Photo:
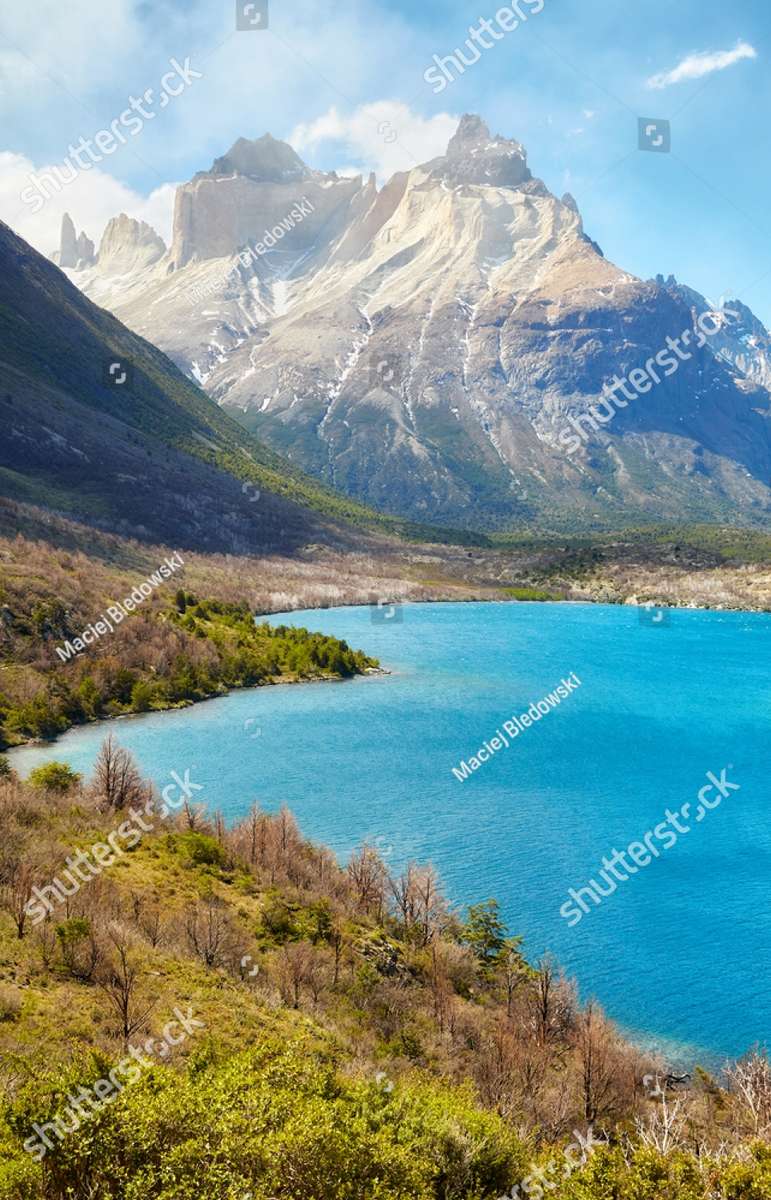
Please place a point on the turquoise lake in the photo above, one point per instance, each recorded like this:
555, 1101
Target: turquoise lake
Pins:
679, 954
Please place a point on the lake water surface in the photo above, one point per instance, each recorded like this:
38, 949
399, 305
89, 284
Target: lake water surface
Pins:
680, 952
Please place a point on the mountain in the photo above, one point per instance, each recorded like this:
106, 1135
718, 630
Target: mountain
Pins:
99, 425
439, 347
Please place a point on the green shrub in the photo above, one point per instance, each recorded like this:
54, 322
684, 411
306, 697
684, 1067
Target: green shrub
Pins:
202, 850
276, 1121
54, 777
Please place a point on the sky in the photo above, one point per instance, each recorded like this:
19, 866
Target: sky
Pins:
345, 83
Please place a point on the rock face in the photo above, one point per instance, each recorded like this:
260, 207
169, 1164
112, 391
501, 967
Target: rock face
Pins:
129, 246
76, 252
250, 191
440, 348
474, 157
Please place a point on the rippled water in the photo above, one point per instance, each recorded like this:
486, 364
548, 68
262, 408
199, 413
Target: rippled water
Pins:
680, 952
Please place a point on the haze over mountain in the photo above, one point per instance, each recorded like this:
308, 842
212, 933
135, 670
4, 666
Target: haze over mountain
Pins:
432, 347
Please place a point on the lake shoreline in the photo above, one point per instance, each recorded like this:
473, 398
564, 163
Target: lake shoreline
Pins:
279, 681
373, 763
370, 671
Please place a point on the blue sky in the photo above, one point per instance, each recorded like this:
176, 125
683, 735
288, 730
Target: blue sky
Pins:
345, 82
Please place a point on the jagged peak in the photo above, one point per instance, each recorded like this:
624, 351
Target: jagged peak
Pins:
265, 159
76, 251
131, 228
476, 156
129, 243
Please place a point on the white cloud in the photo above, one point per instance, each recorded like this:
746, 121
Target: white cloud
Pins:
384, 137
91, 200
694, 66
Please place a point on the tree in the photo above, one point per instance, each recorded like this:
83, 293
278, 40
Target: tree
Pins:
513, 968
485, 933
300, 965
142, 696
16, 882
551, 1004
367, 873
599, 1063
209, 932
420, 905
54, 777
116, 777
79, 947
120, 981
750, 1080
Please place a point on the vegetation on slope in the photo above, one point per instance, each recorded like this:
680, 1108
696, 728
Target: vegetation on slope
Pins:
55, 346
341, 1032
164, 655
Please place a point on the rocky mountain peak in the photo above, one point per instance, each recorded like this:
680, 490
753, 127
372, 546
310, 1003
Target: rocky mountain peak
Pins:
471, 132
129, 245
265, 160
76, 251
475, 156
289, 284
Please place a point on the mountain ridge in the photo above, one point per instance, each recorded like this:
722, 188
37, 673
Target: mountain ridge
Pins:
99, 425
423, 347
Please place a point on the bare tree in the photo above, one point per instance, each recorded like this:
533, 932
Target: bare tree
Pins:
300, 965
750, 1080
117, 781
420, 905
599, 1063
367, 873
551, 1004
15, 892
664, 1125
120, 980
209, 931
148, 918
45, 939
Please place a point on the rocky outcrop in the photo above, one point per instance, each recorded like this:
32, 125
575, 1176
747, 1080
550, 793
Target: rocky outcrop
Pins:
475, 157
253, 190
75, 251
129, 246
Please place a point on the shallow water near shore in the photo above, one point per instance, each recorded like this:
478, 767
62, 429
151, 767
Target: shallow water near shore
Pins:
680, 952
